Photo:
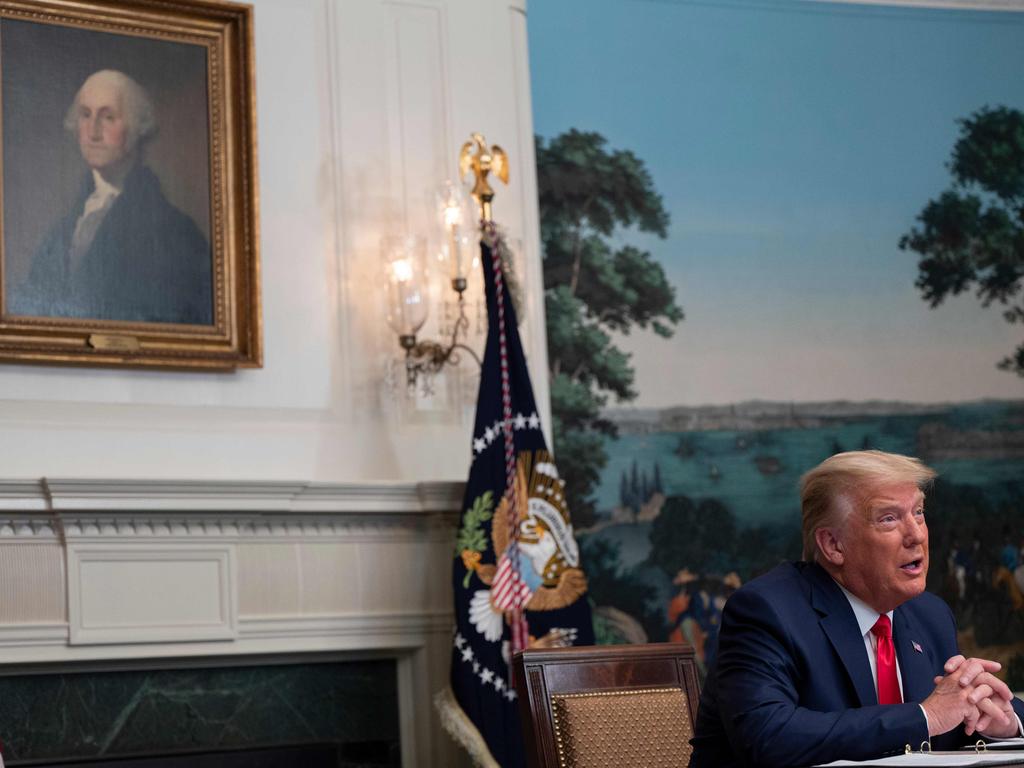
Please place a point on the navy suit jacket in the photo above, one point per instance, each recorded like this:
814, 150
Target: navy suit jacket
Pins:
792, 686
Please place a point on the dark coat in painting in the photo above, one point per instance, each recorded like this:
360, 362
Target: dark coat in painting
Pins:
147, 263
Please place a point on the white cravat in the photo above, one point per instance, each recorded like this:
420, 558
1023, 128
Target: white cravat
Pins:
96, 208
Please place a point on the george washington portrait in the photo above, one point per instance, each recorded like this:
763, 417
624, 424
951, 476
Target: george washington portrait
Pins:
96, 234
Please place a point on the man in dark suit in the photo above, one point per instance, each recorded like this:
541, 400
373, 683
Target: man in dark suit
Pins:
123, 252
846, 656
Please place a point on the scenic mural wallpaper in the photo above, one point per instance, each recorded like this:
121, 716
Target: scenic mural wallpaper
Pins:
775, 230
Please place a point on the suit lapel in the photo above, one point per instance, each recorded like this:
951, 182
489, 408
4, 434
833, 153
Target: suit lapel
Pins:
916, 666
840, 626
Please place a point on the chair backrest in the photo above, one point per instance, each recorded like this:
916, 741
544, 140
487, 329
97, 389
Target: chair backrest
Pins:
614, 705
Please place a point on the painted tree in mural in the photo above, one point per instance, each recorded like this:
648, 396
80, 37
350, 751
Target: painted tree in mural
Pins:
973, 234
588, 195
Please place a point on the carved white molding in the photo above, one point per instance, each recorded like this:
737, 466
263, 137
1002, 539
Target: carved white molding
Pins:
398, 625
32, 635
48, 644
237, 528
60, 494
117, 510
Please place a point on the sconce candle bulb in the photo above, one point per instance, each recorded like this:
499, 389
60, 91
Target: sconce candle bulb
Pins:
407, 294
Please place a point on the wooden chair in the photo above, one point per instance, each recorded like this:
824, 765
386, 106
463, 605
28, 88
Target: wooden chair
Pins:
614, 706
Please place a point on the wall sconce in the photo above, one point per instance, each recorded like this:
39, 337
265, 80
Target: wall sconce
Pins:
408, 286
459, 220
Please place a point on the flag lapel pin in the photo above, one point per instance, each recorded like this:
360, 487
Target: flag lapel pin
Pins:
917, 646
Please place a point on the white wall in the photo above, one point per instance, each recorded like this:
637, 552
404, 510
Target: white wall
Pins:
362, 106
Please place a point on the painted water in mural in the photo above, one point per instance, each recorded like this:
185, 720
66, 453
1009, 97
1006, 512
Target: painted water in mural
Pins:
771, 234
696, 501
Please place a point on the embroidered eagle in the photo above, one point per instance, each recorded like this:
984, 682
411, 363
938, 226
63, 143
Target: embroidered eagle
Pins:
549, 575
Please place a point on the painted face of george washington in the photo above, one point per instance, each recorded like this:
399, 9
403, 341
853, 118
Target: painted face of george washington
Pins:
103, 134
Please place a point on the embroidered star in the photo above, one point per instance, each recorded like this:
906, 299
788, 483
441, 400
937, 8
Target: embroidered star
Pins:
486, 675
499, 684
488, 434
479, 445
467, 654
476, 667
534, 421
460, 641
499, 427
510, 694
520, 421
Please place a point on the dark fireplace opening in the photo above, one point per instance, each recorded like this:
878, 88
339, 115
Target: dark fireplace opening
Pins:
326, 714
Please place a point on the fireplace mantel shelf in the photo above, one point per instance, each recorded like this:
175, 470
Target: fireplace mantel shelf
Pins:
113, 495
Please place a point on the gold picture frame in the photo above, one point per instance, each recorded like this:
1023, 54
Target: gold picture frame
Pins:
128, 184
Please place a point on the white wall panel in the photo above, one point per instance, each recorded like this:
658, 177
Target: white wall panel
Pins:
151, 593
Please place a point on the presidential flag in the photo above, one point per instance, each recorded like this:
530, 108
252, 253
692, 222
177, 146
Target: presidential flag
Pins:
517, 575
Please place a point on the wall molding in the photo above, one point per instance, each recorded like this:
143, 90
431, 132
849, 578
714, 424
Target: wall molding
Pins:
118, 510
60, 494
372, 633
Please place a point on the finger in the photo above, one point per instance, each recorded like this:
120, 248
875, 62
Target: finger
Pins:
971, 667
969, 671
979, 693
986, 664
971, 719
983, 723
974, 667
993, 710
937, 679
953, 663
999, 688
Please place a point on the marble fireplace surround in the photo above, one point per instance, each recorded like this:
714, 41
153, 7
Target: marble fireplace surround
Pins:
118, 574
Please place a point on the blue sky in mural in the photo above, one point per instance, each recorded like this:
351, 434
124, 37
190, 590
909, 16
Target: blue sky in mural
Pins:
794, 142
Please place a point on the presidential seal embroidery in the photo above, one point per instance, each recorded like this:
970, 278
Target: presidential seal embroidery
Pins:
549, 575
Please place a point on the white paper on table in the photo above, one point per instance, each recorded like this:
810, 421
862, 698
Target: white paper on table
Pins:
938, 759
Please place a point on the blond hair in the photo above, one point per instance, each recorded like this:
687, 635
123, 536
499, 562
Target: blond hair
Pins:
828, 491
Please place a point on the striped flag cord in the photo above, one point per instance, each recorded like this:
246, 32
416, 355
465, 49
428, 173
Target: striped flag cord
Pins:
520, 631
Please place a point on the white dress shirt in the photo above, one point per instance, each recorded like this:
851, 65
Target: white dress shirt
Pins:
866, 617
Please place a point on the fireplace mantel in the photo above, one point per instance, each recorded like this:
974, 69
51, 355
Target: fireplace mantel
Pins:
110, 571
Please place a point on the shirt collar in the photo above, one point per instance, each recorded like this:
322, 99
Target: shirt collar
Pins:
866, 615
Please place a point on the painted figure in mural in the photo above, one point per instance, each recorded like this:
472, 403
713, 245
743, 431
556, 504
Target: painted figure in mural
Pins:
123, 252
681, 615
695, 612
845, 656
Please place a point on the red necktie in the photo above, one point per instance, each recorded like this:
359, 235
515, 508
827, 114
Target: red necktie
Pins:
885, 663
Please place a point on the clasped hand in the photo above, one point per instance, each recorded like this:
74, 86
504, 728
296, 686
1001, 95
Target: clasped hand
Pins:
971, 694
